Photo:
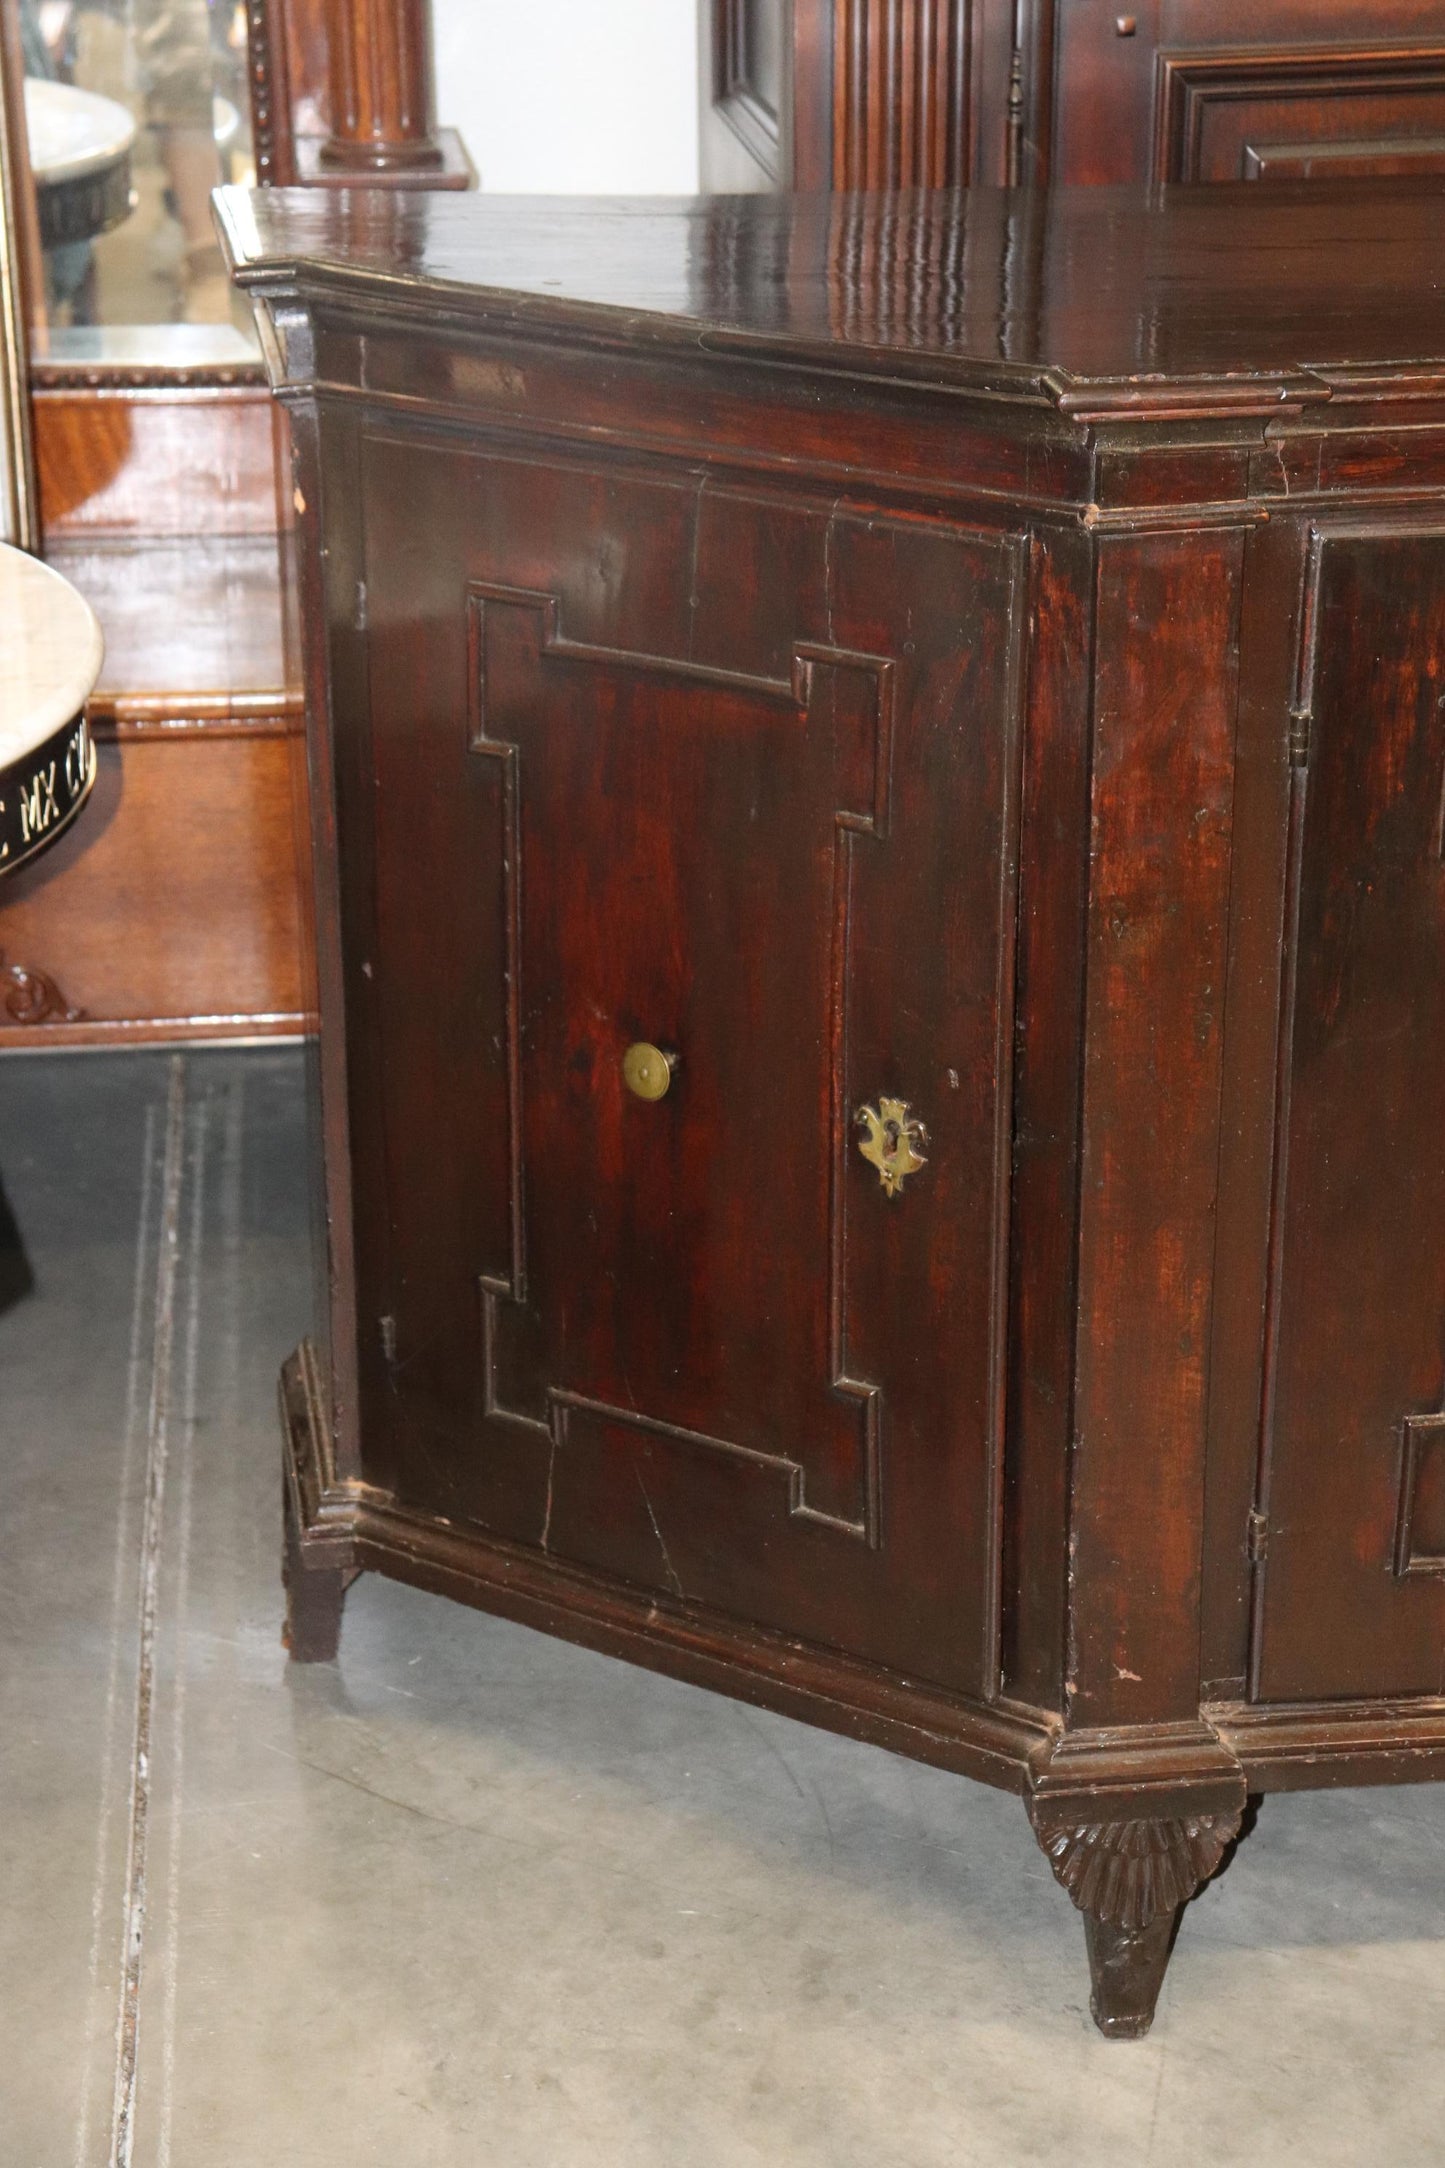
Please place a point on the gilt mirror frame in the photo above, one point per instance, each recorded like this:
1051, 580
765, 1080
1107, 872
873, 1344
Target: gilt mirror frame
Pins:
19, 520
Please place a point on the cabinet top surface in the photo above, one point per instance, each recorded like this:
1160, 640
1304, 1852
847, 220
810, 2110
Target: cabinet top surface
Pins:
1248, 288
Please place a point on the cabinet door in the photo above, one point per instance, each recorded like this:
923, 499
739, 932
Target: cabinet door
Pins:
732, 776
1184, 90
1352, 1596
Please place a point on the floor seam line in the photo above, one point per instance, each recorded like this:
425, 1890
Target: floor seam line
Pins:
122, 2143
109, 1779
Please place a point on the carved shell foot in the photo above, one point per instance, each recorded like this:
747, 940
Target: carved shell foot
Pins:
1131, 1880
1128, 1874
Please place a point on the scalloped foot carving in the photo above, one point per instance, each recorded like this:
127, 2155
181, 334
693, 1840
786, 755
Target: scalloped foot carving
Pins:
1131, 1880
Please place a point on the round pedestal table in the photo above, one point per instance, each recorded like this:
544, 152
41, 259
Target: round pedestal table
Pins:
80, 154
50, 657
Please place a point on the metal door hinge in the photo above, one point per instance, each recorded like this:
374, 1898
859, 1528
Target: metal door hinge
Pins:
1301, 730
388, 1338
1257, 1538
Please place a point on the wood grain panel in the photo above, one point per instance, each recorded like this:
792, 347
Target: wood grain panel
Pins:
117, 461
1162, 803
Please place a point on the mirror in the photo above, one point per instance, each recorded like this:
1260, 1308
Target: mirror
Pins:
135, 110
18, 516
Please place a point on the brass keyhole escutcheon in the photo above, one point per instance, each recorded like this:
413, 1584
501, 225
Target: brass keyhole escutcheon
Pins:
647, 1071
891, 1142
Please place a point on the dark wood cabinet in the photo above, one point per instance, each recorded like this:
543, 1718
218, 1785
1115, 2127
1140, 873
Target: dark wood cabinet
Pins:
932, 93
877, 793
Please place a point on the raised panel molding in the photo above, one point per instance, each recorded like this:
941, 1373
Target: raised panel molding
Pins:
901, 90
509, 1286
1191, 87
1420, 1539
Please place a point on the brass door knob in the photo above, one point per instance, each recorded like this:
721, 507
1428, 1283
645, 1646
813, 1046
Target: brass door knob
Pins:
647, 1071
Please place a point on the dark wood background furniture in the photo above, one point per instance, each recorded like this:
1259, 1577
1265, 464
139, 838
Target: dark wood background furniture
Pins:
176, 910
877, 775
937, 93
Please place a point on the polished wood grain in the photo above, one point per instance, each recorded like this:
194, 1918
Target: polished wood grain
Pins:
979, 649
1117, 299
159, 460
193, 628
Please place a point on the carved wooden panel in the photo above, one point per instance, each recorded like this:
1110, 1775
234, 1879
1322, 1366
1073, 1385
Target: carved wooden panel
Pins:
901, 91
529, 683
1251, 113
1360, 1152
693, 1343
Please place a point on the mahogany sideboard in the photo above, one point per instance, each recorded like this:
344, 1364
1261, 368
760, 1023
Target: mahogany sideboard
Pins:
878, 776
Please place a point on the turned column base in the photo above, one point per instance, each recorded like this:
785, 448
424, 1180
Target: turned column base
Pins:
452, 169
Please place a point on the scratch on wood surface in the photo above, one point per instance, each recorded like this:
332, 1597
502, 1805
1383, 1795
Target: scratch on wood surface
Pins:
668, 1567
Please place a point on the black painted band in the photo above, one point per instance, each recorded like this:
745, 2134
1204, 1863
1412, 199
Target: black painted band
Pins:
41, 793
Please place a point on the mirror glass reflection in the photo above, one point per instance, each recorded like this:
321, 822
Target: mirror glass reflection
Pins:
136, 110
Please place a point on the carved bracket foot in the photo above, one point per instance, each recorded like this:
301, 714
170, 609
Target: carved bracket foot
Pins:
318, 1562
314, 1598
1131, 1880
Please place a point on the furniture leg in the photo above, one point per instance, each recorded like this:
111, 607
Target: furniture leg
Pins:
314, 1597
1132, 1880
1126, 1972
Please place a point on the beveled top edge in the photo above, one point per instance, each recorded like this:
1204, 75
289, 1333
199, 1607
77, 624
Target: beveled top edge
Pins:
1228, 300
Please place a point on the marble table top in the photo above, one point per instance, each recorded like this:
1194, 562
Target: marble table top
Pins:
73, 132
50, 653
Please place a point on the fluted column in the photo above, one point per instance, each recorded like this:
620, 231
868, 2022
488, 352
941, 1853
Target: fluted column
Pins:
383, 94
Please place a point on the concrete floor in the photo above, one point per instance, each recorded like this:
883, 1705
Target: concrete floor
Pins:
474, 1899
